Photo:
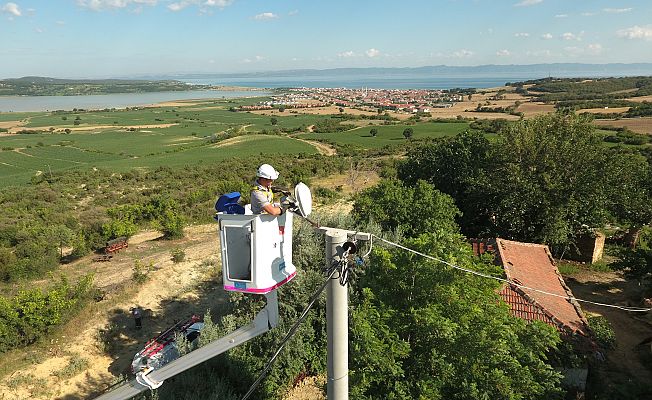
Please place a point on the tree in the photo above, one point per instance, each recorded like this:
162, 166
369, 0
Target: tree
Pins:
273, 120
373, 132
172, 224
445, 330
546, 179
281, 109
341, 109
408, 132
414, 209
545, 182
454, 166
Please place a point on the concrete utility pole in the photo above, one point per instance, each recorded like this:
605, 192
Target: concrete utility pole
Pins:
337, 322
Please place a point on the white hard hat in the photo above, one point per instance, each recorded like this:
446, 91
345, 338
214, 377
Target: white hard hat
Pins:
267, 171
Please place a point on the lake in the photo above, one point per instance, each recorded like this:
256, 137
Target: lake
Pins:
118, 100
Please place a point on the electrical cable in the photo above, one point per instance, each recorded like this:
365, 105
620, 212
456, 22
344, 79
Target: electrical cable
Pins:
290, 333
371, 246
571, 298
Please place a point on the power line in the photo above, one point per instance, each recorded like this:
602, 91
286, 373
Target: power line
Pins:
290, 333
571, 298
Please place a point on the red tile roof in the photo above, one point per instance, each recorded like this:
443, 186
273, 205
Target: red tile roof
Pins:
532, 265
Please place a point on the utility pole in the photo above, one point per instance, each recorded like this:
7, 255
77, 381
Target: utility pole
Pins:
337, 322
337, 311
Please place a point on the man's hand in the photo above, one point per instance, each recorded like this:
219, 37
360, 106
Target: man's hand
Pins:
276, 189
287, 202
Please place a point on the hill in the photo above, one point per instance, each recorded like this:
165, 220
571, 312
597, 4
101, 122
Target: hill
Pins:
44, 86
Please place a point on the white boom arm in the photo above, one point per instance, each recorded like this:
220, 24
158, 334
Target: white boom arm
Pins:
266, 319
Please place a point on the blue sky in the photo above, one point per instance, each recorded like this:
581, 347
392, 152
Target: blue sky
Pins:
106, 38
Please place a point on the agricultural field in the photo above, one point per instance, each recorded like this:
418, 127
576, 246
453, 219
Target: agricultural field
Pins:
172, 134
639, 125
120, 140
388, 135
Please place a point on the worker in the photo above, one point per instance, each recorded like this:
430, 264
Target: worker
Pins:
138, 317
262, 195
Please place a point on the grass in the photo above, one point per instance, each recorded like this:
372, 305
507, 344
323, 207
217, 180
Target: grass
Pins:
76, 365
567, 269
388, 135
121, 152
116, 148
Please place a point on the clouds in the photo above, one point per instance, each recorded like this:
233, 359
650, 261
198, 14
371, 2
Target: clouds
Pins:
527, 3
617, 10
100, 5
546, 36
370, 53
521, 34
265, 16
11, 9
572, 36
253, 60
636, 32
594, 49
503, 53
202, 4
463, 53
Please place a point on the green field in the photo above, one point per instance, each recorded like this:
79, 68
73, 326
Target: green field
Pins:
189, 134
17, 116
388, 135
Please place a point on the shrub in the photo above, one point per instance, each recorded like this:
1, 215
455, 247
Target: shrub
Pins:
604, 333
32, 313
76, 365
178, 255
141, 272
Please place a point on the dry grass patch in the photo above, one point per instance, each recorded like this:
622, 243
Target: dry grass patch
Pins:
641, 99
600, 110
532, 109
638, 125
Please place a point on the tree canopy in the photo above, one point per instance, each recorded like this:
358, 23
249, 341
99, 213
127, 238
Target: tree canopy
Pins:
545, 179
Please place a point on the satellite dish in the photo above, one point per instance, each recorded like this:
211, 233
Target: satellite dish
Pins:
303, 199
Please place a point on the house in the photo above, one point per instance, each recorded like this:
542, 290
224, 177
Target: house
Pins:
529, 265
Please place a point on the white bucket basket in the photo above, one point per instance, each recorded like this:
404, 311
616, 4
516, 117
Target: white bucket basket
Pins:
256, 251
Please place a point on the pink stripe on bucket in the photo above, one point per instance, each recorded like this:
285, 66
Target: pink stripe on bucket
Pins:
260, 291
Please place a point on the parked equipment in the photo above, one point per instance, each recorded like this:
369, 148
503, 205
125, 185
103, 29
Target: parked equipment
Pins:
163, 349
115, 245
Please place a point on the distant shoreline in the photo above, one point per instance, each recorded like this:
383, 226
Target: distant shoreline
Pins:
116, 100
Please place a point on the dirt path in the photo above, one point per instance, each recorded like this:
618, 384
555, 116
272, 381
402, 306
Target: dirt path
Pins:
16, 129
631, 329
104, 334
322, 148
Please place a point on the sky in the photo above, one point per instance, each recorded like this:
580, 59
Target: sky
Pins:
120, 38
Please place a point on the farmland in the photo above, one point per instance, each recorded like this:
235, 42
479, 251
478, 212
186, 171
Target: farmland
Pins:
185, 134
388, 135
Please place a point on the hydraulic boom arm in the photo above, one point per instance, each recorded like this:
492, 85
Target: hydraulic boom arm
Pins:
266, 319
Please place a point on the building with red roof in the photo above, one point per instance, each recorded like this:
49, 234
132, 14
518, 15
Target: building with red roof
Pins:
529, 265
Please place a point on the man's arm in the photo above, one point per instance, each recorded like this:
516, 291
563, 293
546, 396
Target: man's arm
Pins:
271, 209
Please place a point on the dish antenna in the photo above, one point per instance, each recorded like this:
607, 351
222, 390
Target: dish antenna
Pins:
303, 199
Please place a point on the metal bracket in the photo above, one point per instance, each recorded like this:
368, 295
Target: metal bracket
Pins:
354, 234
144, 380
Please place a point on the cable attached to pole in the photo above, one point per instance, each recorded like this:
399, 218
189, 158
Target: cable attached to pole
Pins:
290, 333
